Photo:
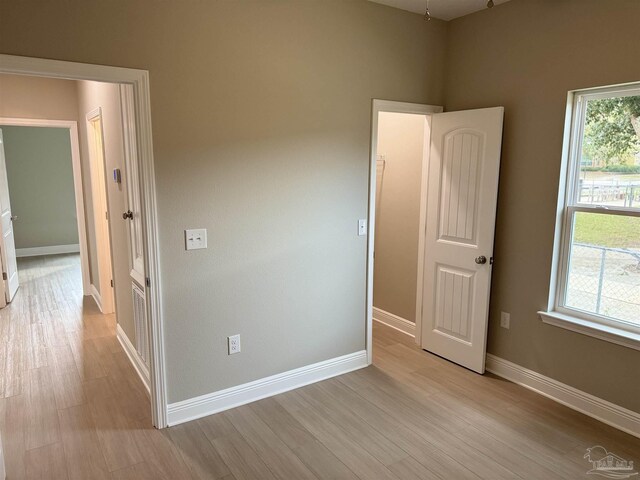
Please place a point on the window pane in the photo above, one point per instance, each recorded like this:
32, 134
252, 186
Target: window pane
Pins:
610, 156
604, 266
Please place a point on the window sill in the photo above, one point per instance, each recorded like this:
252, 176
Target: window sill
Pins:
593, 329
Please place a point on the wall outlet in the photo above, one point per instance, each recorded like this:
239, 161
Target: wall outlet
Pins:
505, 320
233, 343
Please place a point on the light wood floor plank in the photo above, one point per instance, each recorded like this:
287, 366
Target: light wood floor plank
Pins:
203, 461
72, 407
282, 462
46, 462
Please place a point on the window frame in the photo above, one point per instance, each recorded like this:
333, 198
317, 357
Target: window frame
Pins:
557, 313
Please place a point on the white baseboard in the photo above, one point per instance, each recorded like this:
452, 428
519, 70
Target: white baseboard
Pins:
51, 250
139, 366
394, 321
607, 412
93, 291
215, 402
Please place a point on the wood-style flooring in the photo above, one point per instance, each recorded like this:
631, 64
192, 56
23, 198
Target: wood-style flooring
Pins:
72, 407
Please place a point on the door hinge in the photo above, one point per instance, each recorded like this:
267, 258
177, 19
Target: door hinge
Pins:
147, 282
490, 260
112, 283
4, 275
106, 215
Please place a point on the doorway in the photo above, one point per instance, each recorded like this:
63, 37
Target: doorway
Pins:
133, 100
56, 246
399, 162
440, 265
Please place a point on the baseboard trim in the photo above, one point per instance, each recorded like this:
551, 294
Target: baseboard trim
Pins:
215, 402
51, 250
394, 321
138, 365
618, 417
93, 291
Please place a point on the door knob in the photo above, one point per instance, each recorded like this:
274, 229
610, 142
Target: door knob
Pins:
481, 260
128, 214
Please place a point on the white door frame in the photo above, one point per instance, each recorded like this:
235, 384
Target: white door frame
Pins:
77, 180
395, 107
139, 79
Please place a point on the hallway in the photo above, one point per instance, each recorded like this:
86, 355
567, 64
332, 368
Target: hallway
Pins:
69, 398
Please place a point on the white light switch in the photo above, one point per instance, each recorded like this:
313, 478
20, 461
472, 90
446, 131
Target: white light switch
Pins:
362, 226
195, 239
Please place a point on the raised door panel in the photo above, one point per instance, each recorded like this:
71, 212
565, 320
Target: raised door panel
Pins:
454, 297
459, 181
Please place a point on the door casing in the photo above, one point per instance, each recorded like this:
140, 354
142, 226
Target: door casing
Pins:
77, 180
394, 107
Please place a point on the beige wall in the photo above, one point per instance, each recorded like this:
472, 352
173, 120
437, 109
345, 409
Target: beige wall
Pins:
40, 175
526, 55
401, 141
34, 97
261, 122
93, 95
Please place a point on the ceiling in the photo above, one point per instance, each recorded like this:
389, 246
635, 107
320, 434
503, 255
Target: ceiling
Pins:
443, 9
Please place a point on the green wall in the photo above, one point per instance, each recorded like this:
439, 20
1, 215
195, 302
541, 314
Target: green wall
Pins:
41, 186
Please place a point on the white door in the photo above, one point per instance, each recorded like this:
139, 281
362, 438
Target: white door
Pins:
461, 209
7, 243
95, 133
133, 217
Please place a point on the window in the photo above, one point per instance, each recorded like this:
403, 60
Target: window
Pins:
596, 284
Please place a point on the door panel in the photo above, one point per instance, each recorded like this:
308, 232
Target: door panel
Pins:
7, 243
453, 302
132, 177
133, 198
461, 206
460, 185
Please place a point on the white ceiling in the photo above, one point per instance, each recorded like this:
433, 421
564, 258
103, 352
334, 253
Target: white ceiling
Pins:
443, 9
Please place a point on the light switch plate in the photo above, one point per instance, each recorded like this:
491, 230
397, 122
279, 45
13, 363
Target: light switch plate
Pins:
195, 238
362, 227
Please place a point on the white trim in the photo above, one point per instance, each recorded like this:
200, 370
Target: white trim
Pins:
139, 79
93, 291
77, 182
593, 329
215, 402
139, 366
50, 250
557, 312
377, 107
394, 321
618, 417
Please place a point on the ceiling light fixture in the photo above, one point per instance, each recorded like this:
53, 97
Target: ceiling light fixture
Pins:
427, 14
490, 4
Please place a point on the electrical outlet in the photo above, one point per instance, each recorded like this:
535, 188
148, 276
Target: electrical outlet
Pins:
505, 320
233, 342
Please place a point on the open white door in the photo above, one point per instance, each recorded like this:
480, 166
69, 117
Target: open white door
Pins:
461, 210
133, 218
7, 243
